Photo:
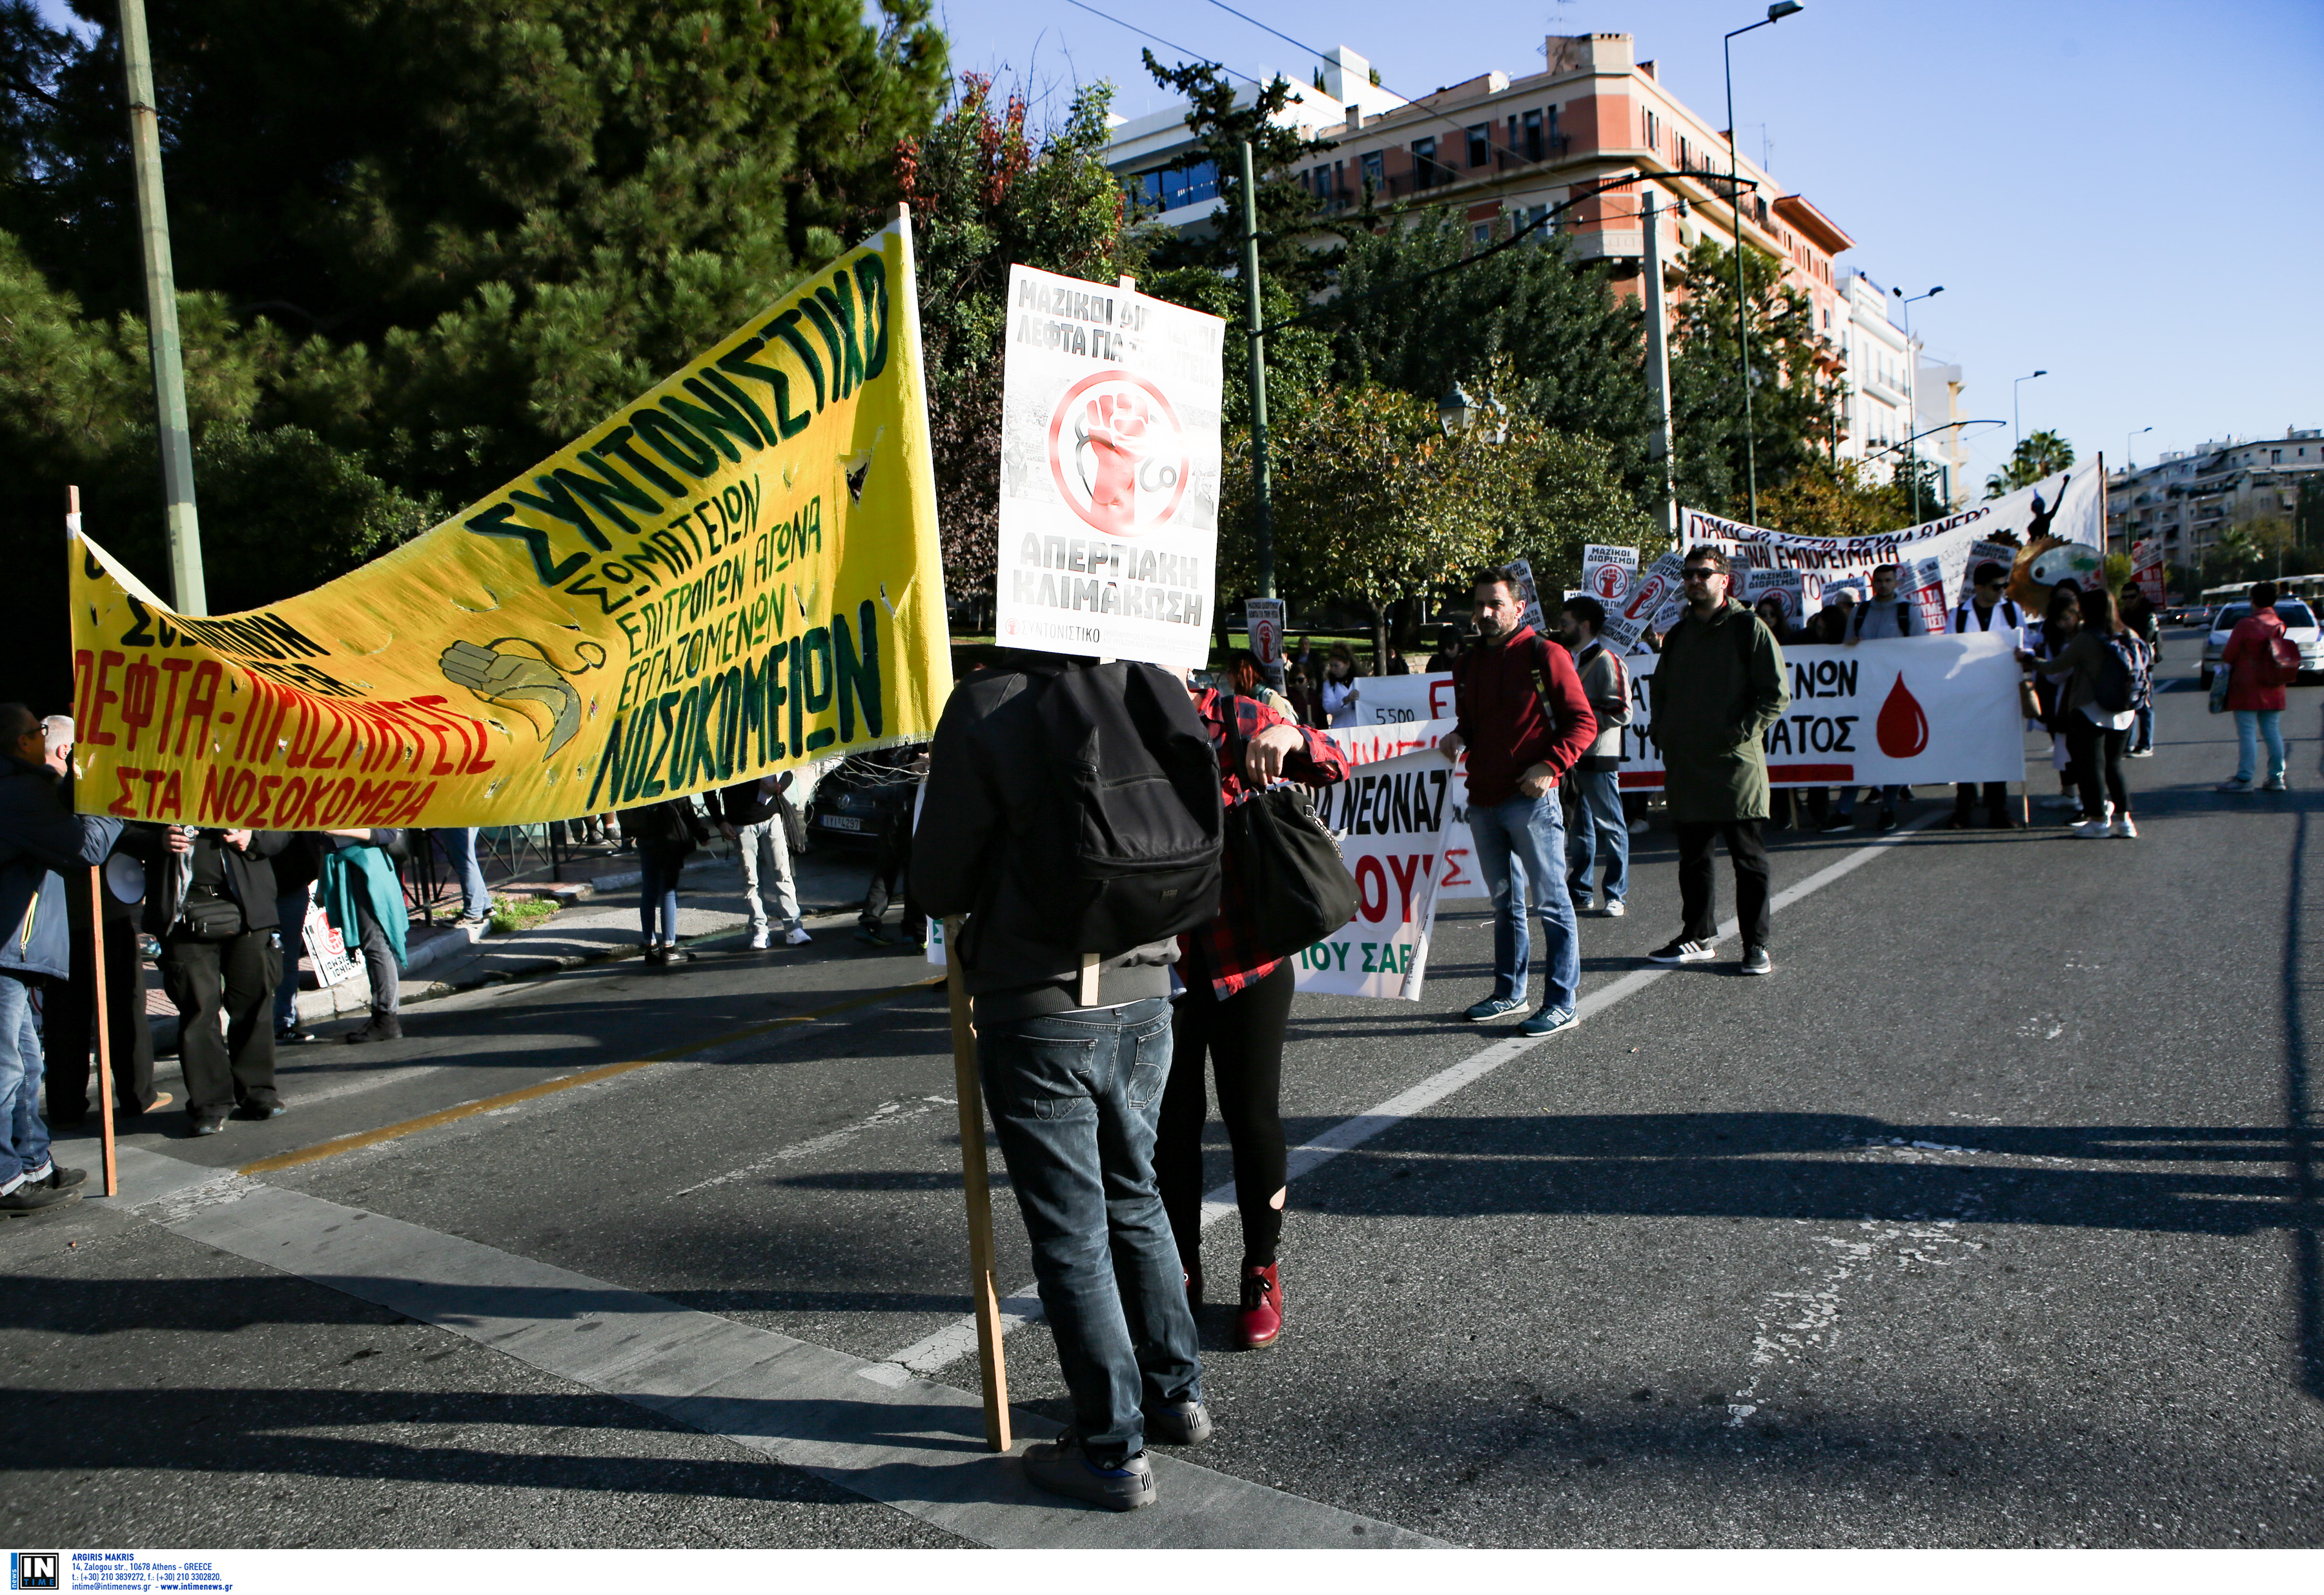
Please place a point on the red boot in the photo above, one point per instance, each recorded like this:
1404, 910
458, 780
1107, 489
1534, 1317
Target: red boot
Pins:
1194, 1272
1261, 1319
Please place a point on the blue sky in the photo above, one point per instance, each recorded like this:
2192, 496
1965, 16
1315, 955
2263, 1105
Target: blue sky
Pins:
2123, 194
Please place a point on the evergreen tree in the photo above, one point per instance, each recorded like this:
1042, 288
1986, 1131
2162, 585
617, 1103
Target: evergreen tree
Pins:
1794, 396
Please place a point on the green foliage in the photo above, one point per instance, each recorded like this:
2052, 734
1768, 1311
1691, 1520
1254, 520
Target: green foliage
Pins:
1291, 223
1575, 348
1794, 402
2044, 454
1821, 498
424, 240
984, 196
1375, 505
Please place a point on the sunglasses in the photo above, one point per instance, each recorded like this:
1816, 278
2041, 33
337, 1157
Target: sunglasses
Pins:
1700, 576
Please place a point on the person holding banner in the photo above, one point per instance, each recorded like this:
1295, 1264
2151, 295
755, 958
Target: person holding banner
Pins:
1235, 1007
1987, 608
1525, 720
1720, 684
214, 913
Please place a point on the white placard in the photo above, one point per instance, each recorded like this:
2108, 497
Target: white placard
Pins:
1608, 574
327, 954
1262, 621
1109, 472
1391, 817
1784, 584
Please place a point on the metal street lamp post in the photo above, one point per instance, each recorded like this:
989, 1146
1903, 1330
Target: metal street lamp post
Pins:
2128, 438
1912, 390
1776, 13
2016, 431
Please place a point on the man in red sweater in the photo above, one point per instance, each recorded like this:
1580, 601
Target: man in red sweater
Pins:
1525, 721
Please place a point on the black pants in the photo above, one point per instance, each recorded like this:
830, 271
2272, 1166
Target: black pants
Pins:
69, 1025
1244, 1038
2097, 753
232, 981
1697, 893
891, 869
1996, 801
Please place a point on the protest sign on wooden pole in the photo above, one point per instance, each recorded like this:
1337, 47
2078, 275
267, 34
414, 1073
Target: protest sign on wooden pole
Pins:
985, 1294
98, 1018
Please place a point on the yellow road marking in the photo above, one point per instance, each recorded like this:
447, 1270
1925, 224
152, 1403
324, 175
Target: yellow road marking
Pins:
373, 1138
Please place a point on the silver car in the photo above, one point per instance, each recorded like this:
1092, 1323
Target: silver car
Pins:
2298, 625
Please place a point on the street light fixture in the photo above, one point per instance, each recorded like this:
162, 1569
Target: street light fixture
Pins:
1776, 13
1912, 390
2128, 438
2016, 431
1455, 411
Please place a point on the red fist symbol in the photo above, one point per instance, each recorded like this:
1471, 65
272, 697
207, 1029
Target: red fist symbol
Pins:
1114, 427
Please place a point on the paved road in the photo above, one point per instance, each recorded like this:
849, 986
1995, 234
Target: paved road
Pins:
1992, 1219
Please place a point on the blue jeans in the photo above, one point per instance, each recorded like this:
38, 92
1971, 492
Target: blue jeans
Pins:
459, 845
1533, 831
2251, 726
1075, 1098
1598, 794
290, 913
658, 893
27, 1149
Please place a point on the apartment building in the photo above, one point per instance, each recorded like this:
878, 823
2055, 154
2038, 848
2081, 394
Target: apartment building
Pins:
1498, 149
2190, 499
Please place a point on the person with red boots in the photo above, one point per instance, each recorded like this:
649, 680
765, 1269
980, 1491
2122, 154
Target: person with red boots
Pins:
1235, 1007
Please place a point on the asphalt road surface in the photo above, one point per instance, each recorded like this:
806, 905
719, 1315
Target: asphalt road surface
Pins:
1993, 1217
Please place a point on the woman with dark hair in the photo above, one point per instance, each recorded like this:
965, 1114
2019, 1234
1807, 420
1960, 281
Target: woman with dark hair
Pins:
665, 833
2102, 646
2138, 614
2060, 621
1235, 1007
1339, 690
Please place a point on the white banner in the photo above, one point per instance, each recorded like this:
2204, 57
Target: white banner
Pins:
327, 954
1262, 623
2069, 508
1109, 472
1784, 584
1392, 819
1400, 700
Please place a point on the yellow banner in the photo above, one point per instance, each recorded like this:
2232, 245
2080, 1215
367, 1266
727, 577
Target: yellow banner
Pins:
736, 574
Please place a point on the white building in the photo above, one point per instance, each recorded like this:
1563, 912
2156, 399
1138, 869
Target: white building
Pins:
2190, 499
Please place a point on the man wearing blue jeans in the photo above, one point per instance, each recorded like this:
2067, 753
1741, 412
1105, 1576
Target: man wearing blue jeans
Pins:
40, 835
1074, 1061
1595, 822
1524, 720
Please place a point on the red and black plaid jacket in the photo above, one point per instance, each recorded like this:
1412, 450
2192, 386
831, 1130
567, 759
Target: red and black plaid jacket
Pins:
1221, 951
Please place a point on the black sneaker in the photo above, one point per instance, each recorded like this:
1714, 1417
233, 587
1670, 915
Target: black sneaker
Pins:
1060, 1467
1679, 950
60, 1178
383, 1027
1177, 1422
1839, 822
208, 1123
29, 1199
1757, 962
262, 1110
1887, 820
292, 1036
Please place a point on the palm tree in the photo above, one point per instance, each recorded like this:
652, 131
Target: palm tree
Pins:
2044, 454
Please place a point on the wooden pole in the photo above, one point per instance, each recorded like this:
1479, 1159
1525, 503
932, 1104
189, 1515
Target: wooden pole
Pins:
984, 1294
103, 1030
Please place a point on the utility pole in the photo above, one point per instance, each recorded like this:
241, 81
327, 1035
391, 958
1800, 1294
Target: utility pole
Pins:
1261, 484
1658, 441
186, 590
1776, 13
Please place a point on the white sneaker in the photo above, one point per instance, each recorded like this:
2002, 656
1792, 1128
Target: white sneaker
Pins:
1636, 828
2123, 827
760, 938
796, 937
2062, 800
1613, 908
2097, 825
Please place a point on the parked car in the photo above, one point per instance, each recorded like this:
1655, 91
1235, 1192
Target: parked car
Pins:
2298, 625
855, 802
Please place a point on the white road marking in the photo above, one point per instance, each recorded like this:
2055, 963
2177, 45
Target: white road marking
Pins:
886, 1113
958, 1339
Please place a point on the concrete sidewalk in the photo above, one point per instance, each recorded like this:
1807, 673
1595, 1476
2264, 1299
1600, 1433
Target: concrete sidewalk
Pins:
601, 921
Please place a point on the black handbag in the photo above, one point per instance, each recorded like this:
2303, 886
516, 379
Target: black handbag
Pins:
1296, 885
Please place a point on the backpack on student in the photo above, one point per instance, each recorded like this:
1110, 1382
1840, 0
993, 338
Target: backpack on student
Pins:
2123, 681
1132, 813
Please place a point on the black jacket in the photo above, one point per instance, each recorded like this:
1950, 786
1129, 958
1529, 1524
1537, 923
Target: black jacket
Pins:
40, 835
984, 769
744, 804
249, 874
668, 830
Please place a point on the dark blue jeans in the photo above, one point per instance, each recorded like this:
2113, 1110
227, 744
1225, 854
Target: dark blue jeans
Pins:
657, 896
1075, 1098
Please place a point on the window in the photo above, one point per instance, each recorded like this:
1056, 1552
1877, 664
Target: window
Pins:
1424, 169
1653, 131
1480, 144
1533, 146
1372, 177
1167, 190
1481, 234
2275, 456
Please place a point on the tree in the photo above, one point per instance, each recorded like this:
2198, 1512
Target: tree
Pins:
1575, 349
426, 240
1291, 221
1825, 499
1794, 396
2044, 454
984, 195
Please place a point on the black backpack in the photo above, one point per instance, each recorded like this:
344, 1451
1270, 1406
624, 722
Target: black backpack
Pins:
2124, 682
1131, 821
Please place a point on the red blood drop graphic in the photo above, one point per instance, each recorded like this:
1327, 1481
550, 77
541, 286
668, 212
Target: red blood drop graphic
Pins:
1903, 728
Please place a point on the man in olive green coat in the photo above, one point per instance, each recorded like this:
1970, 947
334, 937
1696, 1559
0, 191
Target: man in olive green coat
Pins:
1718, 687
